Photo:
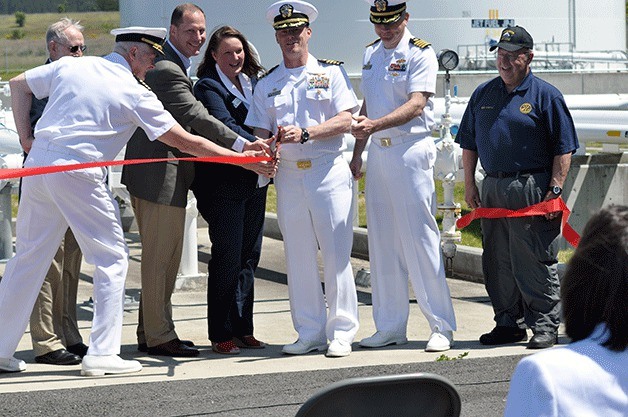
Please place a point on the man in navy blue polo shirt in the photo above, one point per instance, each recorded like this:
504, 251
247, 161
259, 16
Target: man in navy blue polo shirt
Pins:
521, 130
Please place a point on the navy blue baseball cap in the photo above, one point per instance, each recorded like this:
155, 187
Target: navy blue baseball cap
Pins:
513, 39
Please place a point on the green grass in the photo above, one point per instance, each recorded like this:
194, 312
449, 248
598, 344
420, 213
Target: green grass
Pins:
18, 55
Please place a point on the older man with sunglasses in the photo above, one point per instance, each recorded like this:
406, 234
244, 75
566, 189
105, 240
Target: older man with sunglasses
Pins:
54, 329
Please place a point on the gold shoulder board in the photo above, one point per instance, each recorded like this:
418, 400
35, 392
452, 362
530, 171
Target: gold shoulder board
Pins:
420, 43
268, 72
330, 62
373, 43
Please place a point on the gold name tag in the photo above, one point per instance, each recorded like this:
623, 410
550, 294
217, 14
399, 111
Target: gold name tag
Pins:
304, 164
385, 142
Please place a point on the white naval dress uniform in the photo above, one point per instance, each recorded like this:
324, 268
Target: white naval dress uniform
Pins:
404, 240
88, 118
314, 191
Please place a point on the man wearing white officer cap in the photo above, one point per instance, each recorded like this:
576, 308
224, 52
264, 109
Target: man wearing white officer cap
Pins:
94, 106
398, 82
312, 101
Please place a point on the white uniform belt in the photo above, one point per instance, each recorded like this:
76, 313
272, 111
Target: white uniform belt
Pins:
47, 146
388, 141
309, 163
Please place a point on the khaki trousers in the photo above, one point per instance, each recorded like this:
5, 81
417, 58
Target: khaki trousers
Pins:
161, 233
53, 322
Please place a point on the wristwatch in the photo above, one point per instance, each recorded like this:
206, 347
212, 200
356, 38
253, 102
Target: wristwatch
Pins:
305, 135
556, 190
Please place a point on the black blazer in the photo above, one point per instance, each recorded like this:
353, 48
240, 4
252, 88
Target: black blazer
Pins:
229, 180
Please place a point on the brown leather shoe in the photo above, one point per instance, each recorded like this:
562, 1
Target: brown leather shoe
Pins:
173, 348
226, 348
248, 342
143, 347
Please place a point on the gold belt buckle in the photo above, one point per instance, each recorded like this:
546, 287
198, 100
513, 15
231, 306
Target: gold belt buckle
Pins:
304, 164
385, 142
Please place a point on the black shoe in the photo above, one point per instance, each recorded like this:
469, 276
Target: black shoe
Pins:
59, 357
542, 340
78, 349
502, 335
173, 348
143, 347
187, 343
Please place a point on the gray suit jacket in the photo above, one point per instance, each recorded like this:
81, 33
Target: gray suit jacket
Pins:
168, 182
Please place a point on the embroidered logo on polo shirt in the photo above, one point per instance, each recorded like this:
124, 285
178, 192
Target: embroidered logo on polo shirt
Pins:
525, 108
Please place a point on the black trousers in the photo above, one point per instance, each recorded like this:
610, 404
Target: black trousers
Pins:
235, 225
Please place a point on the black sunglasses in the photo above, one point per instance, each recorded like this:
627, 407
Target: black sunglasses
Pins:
74, 49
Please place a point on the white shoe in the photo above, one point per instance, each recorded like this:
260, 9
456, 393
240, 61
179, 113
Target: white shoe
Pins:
440, 341
108, 364
381, 339
338, 348
301, 347
12, 365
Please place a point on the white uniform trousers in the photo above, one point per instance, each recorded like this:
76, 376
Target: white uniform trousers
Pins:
49, 204
404, 240
314, 210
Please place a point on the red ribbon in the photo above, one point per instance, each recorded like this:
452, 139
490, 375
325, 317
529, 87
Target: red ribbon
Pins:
540, 209
27, 172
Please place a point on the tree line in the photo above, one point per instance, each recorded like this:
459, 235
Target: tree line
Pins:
57, 6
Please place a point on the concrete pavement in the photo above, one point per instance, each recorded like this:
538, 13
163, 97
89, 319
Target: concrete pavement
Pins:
274, 326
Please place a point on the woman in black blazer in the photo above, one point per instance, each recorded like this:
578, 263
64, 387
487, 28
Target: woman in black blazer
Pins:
231, 199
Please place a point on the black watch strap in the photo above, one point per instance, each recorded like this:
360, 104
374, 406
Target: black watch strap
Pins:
556, 190
305, 135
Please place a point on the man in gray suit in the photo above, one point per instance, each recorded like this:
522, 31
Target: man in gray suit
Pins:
159, 190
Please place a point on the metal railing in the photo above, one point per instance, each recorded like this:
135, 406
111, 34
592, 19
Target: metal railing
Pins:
547, 55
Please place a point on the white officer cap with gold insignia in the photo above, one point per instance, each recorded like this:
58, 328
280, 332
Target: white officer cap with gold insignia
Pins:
291, 14
154, 37
384, 12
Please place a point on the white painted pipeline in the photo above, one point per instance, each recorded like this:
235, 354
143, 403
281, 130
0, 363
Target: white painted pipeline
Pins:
601, 125
611, 56
189, 258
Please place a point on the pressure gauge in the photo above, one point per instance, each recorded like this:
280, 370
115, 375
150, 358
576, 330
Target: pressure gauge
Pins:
448, 59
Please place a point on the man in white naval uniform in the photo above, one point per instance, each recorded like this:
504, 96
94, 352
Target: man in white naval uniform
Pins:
95, 104
313, 101
398, 81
